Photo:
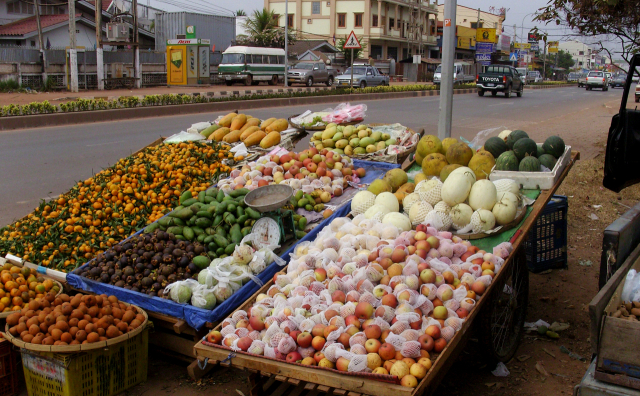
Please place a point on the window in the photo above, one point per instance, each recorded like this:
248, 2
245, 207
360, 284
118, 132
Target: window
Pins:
320, 66
18, 7
235, 58
276, 19
77, 31
273, 59
10, 8
33, 43
315, 8
474, 25
580, 52
374, 22
391, 22
357, 20
342, 20
281, 59
249, 59
290, 21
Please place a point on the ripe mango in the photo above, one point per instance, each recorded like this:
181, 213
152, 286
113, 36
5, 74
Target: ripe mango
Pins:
376, 136
248, 132
226, 120
255, 138
329, 132
371, 148
380, 146
250, 122
363, 133
328, 143
366, 141
278, 125
337, 136
348, 150
317, 136
342, 143
348, 131
359, 150
238, 122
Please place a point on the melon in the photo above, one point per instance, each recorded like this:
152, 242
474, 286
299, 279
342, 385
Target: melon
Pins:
362, 201
529, 164
514, 137
548, 161
540, 151
378, 186
525, 147
504, 134
433, 163
507, 161
495, 146
554, 145
444, 173
448, 142
456, 188
396, 178
388, 200
481, 165
428, 145
459, 153
483, 195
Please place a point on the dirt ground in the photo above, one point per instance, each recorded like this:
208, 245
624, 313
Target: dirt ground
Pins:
57, 97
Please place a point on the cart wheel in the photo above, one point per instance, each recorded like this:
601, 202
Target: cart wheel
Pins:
504, 315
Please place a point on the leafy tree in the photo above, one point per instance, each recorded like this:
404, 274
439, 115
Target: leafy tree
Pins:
564, 60
603, 20
241, 13
263, 31
347, 52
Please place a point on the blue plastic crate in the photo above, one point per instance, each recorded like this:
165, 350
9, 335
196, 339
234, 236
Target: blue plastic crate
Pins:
546, 245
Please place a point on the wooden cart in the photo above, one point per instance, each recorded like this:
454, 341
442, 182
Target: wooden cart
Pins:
500, 326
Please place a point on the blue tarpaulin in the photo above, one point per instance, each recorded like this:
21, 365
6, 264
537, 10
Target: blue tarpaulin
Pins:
197, 317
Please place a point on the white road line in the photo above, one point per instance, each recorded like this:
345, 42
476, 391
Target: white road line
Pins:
104, 144
502, 104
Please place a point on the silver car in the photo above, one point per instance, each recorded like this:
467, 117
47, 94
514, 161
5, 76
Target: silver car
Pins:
363, 76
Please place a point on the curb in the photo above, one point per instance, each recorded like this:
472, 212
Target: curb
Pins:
84, 117
549, 86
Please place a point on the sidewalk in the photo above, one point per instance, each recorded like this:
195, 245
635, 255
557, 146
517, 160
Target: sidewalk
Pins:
211, 91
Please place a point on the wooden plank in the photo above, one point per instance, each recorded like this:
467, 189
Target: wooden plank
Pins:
298, 390
322, 388
601, 300
269, 382
173, 343
615, 349
176, 325
284, 386
180, 326
617, 379
195, 372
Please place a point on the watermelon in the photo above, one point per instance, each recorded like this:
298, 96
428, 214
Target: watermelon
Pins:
507, 161
495, 146
548, 161
554, 145
540, 151
529, 164
514, 137
525, 147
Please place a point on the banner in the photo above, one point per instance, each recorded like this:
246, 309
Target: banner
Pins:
486, 35
484, 47
521, 45
177, 66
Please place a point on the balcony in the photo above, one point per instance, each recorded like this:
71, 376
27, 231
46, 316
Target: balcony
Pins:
432, 8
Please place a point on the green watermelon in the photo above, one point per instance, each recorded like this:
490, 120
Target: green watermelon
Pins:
525, 147
540, 152
514, 137
507, 161
548, 160
529, 164
495, 146
554, 145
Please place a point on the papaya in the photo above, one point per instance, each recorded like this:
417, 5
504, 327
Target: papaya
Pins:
403, 191
247, 132
237, 122
267, 122
278, 125
226, 120
250, 122
232, 137
270, 140
254, 139
219, 134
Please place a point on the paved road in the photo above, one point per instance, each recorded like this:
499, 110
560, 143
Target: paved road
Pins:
39, 163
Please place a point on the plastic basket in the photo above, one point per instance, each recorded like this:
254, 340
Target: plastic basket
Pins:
8, 369
546, 246
100, 372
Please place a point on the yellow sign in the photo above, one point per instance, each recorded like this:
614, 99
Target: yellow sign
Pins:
176, 66
553, 50
553, 43
485, 35
521, 45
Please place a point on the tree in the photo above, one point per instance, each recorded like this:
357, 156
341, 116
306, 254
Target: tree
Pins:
565, 61
263, 31
605, 21
241, 13
347, 52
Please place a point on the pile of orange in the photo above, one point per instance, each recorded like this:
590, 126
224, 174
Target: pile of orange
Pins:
19, 285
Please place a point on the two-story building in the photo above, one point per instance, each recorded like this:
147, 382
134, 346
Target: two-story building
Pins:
581, 53
389, 28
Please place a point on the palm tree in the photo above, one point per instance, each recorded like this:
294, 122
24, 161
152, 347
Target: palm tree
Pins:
241, 13
263, 31
260, 22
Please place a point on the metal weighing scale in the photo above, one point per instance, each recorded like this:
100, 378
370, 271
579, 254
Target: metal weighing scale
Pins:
276, 224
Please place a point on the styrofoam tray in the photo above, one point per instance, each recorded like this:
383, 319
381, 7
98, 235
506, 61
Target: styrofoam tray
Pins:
535, 180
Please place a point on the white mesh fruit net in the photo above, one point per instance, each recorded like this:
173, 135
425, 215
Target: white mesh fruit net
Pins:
357, 339
228, 329
447, 333
362, 201
441, 221
409, 200
257, 347
242, 332
410, 335
455, 323
468, 304
358, 349
330, 351
430, 190
239, 315
452, 304
410, 349
419, 211
286, 345
396, 340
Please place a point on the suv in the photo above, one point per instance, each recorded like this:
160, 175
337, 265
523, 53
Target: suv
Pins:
597, 79
500, 78
309, 73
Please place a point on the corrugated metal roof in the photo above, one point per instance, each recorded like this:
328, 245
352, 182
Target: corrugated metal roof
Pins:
28, 25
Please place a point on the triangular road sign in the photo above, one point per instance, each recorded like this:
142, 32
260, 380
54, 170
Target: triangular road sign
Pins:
513, 57
352, 42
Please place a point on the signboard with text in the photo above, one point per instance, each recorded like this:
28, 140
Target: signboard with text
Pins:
484, 59
484, 47
486, 35
352, 42
521, 45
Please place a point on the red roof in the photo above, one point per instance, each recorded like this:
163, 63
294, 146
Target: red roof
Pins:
28, 25
105, 4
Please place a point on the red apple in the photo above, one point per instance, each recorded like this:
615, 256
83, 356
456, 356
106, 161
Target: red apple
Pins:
344, 339
426, 342
215, 337
372, 346
304, 339
433, 331
389, 300
387, 351
352, 320
318, 330
342, 364
244, 343
318, 343
373, 331
338, 295
439, 345
364, 310
293, 357
318, 356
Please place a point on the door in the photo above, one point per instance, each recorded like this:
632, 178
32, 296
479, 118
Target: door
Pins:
322, 72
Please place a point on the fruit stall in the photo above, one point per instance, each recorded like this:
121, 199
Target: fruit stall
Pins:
275, 261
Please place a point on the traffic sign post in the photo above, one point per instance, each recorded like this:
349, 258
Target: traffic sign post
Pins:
352, 43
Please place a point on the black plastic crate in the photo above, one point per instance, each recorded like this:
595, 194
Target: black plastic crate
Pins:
546, 245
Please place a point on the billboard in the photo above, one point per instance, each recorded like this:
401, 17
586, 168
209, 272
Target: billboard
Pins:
486, 35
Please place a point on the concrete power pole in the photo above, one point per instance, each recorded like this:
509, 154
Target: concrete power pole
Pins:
99, 55
41, 42
448, 54
137, 70
286, 42
73, 54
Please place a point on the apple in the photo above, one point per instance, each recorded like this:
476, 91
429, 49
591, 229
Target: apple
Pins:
462, 313
428, 276
380, 371
387, 351
372, 345
421, 227
338, 295
304, 339
318, 356
318, 343
440, 312
373, 360
373, 331
388, 364
398, 255
399, 369
409, 381
344, 339
440, 344
478, 287
364, 310
330, 313
379, 292
426, 342
342, 364
320, 274
433, 331
309, 361
433, 242
410, 362
294, 334
293, 357
352, 330
331, 328
326, 363
425, 362
242, 324
488, 272
215, 337
447, 294
318, 330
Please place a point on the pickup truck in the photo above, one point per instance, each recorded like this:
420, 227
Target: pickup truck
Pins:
500, 78
597, 79
582, 80
309, 73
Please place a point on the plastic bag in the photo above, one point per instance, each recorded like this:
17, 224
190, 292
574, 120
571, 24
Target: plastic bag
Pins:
183, 137
345, 112
631, 289
181, 291
203, 297
198, 127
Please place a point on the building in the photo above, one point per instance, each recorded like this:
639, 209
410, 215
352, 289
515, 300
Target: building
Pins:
581, 53
468, 17
389, 28
220, 30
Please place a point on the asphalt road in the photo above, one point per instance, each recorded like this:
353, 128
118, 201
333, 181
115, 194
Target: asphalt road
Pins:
40, 163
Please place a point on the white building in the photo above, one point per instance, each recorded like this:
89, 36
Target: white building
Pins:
582, 54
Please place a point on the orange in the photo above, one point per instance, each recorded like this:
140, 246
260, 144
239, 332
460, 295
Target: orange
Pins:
17, 301
48, 284
21, 281
5, 300
23, 288
15, 270
15, 292
2, 293
6, 277
10, 285
40, 289
32, 285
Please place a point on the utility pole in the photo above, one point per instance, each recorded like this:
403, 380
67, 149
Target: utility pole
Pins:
286, 42
99, 55
41, 43
544, 59
446, 84
137, 70
73, 54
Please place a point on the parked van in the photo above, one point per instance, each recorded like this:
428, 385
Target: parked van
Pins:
461, 74
251, 65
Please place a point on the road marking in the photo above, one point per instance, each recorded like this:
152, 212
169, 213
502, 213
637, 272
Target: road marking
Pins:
104, 144
502, 104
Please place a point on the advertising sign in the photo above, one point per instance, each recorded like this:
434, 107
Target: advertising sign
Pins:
192, 62
486, 35
191, 32
177, 66
484, 47
521, 45
203, 58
